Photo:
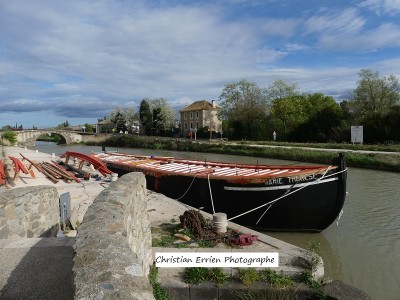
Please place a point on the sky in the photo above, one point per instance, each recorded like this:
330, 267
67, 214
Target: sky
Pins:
79, 60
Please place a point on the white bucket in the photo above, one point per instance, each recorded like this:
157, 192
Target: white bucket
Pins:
53, 155
114, 176
219, 222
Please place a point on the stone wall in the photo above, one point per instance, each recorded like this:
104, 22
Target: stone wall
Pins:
29, 212
113, 244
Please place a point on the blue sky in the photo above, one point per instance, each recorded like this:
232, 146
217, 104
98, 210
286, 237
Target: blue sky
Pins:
77, 60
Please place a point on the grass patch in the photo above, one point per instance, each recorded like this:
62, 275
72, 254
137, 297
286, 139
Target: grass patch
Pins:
275, 279
198, 275
158, 291
249, 276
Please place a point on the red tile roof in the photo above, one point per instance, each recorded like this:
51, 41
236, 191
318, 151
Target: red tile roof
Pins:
199, 105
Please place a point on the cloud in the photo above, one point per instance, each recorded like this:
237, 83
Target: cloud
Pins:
347, 30
347, 21
390, 7
386, 35
80, 59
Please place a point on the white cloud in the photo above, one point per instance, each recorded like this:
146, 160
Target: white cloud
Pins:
82, 58
294, 47
386, 35
347, 21
390, 7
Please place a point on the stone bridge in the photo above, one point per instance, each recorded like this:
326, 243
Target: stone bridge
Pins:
28, 137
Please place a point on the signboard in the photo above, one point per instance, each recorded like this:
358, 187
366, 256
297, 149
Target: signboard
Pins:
65, 208
357, 134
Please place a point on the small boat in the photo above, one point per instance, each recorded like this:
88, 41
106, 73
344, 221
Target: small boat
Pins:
264, 197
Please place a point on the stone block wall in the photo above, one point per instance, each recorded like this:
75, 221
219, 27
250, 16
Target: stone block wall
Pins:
29, 212
113, 244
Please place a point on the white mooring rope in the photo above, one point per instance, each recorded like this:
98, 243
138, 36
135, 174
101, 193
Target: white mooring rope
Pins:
287, 194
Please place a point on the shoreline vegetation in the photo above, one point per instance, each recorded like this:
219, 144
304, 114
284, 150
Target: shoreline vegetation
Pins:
377, 157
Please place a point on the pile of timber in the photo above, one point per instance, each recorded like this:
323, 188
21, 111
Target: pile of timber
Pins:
53, 171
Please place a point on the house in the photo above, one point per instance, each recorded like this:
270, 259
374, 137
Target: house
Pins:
103, 126
200, 114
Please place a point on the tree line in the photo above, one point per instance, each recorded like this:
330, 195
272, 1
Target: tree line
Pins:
155, 117
251, 112
254, 113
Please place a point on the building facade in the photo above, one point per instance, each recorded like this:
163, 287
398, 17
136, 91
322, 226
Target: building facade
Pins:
200, 114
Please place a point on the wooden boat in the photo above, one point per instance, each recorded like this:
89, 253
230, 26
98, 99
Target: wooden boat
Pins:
266, 197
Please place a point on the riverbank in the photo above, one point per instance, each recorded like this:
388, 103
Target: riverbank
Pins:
378, 158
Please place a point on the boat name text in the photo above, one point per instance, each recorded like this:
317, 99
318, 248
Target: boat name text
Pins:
301, 178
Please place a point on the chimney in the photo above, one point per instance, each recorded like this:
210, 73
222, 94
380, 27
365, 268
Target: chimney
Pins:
213, 104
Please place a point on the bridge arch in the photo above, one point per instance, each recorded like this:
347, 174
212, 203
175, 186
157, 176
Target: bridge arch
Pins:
28, 137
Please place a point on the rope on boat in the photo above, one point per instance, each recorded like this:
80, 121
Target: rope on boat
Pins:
287, 191
194, 177
287, 194
209, 187
263, 214
338, 218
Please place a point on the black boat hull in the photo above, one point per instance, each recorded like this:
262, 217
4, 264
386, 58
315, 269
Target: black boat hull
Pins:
308, 205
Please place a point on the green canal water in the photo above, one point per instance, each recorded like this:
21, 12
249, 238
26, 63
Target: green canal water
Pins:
363, 249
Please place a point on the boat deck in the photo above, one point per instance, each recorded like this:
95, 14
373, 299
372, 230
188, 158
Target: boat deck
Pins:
208, 168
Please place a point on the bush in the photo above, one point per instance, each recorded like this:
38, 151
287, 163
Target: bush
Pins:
10, 136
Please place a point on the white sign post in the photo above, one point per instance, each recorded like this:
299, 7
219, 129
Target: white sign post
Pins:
357, 135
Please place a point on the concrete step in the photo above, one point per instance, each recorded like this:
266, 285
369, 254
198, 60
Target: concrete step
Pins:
36, 268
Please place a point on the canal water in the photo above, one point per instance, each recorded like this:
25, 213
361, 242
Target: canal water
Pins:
363, 249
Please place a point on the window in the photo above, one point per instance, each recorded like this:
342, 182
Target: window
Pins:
191, 125
191, 115
197, 114
197, 125
185, 125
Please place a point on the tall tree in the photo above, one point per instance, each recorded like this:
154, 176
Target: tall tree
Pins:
131, 118
280, 89
288, 113
375, 95
123, 119
286, 105
164, 116
117, 119
145, 116
243, 108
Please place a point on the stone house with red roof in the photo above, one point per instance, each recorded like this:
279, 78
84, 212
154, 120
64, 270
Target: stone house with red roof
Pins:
200, 114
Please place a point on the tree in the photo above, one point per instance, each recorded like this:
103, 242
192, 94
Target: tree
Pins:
288, 113
131, 118
63, 125
10, 136
88, 128
286, 105
123, 119
313, 117
375, 95
280, 89
163, 115
243, 108
145, 116
117, 119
